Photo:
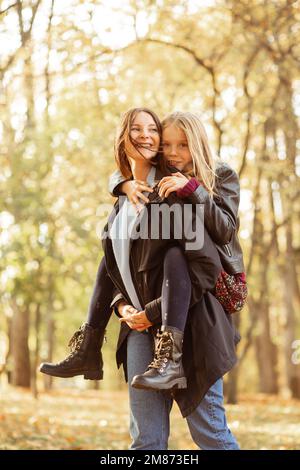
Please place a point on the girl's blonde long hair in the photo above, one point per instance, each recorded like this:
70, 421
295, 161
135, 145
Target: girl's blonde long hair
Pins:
204, 163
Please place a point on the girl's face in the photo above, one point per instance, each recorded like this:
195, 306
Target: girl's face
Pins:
176, 149
145, 134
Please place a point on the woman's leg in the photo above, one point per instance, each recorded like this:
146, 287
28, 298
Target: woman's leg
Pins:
207, 423
85, 357
149, 410
166, 370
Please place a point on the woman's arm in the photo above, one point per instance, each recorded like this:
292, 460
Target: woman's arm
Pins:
127, 313
116, 180
135, 320
133, 189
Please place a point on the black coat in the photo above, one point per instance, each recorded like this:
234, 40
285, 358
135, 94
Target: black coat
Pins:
210, 337
221, 217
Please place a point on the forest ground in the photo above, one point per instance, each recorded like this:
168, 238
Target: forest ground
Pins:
91, 419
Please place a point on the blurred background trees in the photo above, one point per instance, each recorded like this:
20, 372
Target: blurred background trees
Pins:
68, 70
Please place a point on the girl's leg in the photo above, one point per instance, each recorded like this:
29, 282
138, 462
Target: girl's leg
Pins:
176, 289
85, 357
166, 370
149, 410
99, 311
207, 423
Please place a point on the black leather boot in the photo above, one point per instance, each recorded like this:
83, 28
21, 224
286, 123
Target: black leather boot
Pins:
85, 357
166, 370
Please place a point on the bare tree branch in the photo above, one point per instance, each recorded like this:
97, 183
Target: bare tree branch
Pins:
2, 12
25, 35
249, 106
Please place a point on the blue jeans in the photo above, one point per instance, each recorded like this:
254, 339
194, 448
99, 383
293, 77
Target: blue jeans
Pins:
150, 410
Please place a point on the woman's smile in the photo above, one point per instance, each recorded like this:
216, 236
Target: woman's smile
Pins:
145, 135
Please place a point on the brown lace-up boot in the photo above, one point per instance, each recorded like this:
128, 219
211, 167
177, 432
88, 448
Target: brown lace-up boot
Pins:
166, 370
85, 357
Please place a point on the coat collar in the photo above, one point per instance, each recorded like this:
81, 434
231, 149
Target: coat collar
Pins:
107, 244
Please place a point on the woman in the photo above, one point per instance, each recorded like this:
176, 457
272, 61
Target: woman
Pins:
209, 347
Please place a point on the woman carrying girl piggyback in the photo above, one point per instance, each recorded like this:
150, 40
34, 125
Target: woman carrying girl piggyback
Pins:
204, 180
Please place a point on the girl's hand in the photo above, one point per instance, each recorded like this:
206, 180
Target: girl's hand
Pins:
133, 190
169, 184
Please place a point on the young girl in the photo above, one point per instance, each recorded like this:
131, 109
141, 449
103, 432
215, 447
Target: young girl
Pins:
214, 184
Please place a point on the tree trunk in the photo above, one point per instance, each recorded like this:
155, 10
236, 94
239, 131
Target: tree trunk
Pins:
292, 370
265, 349
48, 380
8, 357
290, 180
266, 354
37, 321
231, 388
20, 349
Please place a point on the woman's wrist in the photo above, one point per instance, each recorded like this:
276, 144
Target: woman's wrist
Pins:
124, 186
120, 307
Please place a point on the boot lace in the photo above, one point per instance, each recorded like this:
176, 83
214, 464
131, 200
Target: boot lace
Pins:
163, 346
75, 343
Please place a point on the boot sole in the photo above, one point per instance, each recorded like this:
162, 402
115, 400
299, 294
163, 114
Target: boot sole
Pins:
88, 375
93, 376
174, 385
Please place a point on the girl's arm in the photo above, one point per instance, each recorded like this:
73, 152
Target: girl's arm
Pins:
221, 212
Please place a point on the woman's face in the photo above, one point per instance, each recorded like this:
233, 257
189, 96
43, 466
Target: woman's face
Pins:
176, 149
145, 134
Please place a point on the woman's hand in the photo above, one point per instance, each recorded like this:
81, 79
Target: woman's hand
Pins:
169, 184
139, 321
133, 190
135, 320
